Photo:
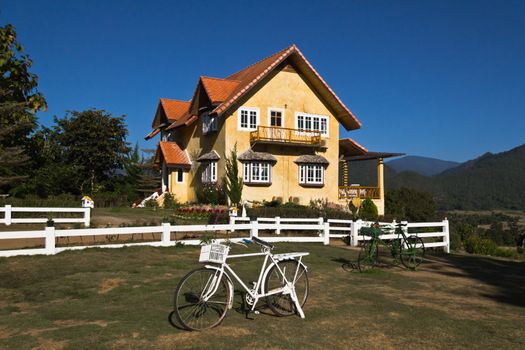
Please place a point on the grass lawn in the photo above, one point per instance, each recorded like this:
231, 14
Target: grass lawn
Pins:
121, 298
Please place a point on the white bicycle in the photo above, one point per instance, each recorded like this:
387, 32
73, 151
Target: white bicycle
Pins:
204, 295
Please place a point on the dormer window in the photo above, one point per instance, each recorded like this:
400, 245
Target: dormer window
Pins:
209, 123
248, 118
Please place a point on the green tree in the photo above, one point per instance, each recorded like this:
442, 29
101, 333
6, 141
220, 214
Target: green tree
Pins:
368, 210
411, 205
19, 101
95, 142
233, 180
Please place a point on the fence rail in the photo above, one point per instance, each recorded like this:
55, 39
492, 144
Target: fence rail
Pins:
269, 229
8, 218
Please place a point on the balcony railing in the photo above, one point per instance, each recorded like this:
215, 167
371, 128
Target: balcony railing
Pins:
274, 134
363, 192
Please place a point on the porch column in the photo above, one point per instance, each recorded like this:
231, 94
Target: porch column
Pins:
344, 169
380, 178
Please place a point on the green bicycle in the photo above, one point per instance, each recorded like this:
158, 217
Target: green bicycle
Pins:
409, 249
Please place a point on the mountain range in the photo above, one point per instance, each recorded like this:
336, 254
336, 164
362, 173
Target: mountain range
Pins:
491, 181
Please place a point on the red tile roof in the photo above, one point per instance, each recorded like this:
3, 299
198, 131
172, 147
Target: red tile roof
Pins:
226, 92
172, 154
174, 109
217, 89
349, 147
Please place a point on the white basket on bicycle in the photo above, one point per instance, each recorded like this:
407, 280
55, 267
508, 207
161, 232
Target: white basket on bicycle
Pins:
214, 253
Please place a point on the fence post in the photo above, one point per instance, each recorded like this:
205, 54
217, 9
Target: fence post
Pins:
166, 234
278, 223
446, 230
50, 240
87, 216
356, 225
254, 229
232, 222
8, 214
326, 233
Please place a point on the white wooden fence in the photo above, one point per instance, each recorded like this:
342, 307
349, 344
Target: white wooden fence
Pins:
322, 232
9, 219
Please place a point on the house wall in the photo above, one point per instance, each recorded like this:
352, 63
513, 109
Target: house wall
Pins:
287, 90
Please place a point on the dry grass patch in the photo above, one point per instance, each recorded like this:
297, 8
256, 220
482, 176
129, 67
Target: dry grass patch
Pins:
108, 284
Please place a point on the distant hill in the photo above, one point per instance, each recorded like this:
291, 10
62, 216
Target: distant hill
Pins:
492, 181
421, 165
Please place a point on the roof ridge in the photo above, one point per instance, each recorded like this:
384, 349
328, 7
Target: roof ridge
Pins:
175, 99
215, 78
274, 54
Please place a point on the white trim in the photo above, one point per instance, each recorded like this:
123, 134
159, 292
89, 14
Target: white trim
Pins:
275, 109
257, 118
177, 175
303, 174
209, 176
248, 169
310, 116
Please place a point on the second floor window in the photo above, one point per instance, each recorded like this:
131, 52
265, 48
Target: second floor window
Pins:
248, 118
311, 174
209, 124
209, 174
257, 172
312, 122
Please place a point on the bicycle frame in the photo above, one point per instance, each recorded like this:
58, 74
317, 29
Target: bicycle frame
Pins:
257, 292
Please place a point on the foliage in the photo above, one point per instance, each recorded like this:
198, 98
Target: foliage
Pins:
170, 202
95, 142
210, 194
19, 101
492, 181
148, 179
151, 203
410, 205
233, 180
476, 245
368, 210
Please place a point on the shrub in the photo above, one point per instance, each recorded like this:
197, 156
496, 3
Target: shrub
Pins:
476, 245
210, 194
368, 210
507, 252
170, 202
152, 203
455, 241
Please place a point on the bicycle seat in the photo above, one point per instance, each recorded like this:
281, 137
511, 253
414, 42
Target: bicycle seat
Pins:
262, 243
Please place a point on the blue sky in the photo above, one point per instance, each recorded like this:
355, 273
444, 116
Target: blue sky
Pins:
443, 79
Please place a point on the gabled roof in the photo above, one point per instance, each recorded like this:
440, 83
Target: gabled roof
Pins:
172, 154
169, 111
212, 155
223, 94
219, 90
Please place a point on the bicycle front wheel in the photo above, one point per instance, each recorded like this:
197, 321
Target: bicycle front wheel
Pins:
194, 309
368, 256
280, 304
412, 252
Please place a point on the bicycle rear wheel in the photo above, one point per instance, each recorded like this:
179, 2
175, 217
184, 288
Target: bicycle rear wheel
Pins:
368, 256
191, 310
280, 304
412, 252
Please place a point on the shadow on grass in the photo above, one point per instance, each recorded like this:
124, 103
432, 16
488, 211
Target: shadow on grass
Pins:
508, 277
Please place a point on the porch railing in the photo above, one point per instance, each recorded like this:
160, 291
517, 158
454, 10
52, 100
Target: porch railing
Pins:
363, 192
274, 134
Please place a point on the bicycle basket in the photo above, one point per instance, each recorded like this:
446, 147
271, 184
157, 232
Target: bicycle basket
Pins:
214, 253
373, 232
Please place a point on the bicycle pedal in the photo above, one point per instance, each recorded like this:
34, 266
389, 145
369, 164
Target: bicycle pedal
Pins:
257, 312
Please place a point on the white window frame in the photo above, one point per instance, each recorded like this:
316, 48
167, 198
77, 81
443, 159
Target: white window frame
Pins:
312, 119
252, 172
317, 174
248, 110
209, 124
275, 109
177, 172
209, 173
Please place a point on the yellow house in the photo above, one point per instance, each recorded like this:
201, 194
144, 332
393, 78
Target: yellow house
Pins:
284, 120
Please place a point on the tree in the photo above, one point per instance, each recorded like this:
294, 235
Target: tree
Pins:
411, 205
148, 180
19, 101
233, 180
368, 210
95, 142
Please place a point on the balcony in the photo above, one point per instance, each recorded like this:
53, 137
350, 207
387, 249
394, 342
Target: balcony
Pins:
285, 136
363, 192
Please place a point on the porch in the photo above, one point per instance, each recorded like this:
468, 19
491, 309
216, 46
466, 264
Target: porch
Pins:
351, 152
